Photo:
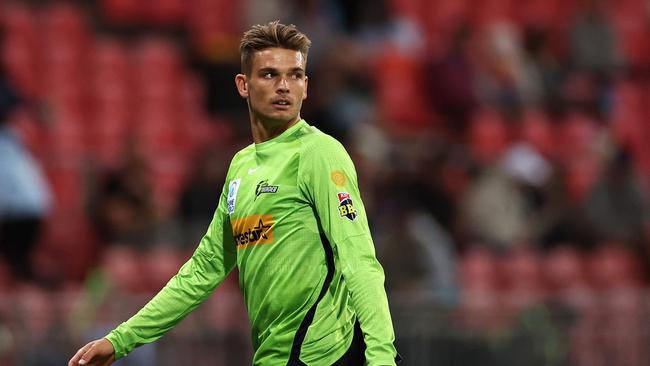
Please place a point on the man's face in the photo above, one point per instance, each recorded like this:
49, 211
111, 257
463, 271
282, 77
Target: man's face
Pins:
276, 86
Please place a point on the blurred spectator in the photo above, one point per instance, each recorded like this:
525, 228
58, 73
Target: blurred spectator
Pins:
593, 43
594, 57
451, 82
494, 210
542, 61
504, 79
123, 209
24, 193
617, 207
198, 200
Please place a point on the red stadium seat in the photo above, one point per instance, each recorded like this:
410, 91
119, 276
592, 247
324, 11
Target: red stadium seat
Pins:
614, 267
522, 273
487, 136
18, 19
165, 12
400, 92
212, 21
109, 63
564, 269
582, 171
478, 270
20, 53
122, 266
485, 13
631, 24
21, 61
537, 131
577, 135
160, 264
122, 11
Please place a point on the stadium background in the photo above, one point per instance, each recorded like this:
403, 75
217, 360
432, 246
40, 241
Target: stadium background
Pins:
501, 145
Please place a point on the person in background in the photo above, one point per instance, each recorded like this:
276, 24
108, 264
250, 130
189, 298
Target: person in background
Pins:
24, 193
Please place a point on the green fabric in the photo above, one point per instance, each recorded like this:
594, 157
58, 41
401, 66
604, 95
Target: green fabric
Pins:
280, 197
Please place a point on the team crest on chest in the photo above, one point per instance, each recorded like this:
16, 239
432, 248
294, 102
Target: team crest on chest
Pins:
264, 187
346, 208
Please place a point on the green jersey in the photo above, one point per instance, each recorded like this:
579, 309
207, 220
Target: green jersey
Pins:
290, 217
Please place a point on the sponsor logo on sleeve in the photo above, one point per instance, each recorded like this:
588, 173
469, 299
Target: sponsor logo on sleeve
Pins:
264, 187
253, 230
338, 177
346, 208
232, 195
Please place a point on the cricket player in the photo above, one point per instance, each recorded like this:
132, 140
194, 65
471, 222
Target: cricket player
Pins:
290, 217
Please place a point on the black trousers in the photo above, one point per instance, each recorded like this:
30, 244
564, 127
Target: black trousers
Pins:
17, 239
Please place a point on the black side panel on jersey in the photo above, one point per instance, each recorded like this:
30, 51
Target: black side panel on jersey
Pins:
294, 358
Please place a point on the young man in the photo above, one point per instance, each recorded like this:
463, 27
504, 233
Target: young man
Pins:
291, 219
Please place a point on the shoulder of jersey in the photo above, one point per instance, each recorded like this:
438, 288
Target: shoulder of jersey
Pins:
313, 138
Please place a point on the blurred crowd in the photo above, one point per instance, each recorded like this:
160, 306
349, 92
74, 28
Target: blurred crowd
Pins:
501, 145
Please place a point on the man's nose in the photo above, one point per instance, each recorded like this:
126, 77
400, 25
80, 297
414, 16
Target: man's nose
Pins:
283, 85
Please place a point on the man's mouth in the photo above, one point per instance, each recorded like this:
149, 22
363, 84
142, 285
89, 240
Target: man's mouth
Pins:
281, 103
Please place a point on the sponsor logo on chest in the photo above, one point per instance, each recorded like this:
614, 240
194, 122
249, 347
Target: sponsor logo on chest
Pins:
253, 230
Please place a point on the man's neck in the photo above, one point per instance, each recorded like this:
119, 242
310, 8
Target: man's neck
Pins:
265, 130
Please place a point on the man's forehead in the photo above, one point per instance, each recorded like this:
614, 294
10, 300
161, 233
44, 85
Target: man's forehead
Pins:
278, 58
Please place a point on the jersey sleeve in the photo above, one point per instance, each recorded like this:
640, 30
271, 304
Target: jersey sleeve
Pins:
214, 258
329, 181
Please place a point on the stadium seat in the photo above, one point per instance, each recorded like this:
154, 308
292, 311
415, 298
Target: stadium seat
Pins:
122, 12
109, 63
581, 172
564, 269
613, 267
537, 131
487, 136
478, 270
482, 305
400, 92
160, 264
122, 266
165, 12
522, 277
485, 13
18, 19
21, 63
212, 22
630, 21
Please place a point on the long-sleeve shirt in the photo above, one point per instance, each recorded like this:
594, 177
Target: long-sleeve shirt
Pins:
290, 217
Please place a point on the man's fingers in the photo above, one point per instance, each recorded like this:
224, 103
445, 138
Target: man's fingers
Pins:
74, 361
88, 355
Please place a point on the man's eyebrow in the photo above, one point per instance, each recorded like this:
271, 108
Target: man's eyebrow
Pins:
267, 69
273, 69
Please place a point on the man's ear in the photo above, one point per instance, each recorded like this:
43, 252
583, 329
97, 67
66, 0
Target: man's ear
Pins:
306, 84
242, 85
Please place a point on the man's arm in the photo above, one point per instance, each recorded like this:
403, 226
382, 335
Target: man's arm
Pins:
330, 182
214, 258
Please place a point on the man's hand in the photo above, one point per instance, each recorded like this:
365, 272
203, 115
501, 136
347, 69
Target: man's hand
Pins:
99, 352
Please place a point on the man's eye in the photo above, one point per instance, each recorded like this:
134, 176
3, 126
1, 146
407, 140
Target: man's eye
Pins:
267, 75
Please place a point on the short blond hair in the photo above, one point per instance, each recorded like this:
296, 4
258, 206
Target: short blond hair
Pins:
272, 34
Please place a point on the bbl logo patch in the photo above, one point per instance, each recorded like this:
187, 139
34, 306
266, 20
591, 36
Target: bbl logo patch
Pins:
346, 209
